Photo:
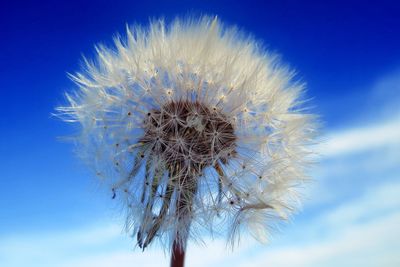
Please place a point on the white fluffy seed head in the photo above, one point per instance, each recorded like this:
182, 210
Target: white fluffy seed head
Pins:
193, 125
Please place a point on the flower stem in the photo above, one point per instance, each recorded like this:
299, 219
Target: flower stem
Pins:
184, 217
177, 255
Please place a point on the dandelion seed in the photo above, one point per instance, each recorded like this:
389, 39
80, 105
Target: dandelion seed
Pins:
197, 127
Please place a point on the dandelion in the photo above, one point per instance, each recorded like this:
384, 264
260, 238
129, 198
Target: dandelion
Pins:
195, 129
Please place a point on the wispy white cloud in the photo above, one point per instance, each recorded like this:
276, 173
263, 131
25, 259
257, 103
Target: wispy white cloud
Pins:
375, 202
361, 139
45, 248
370, 244
361, 232
340, 177
99, 247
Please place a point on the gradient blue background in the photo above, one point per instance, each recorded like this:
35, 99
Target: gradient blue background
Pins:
52, 211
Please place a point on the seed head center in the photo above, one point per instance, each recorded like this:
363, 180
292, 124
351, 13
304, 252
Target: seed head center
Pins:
189, 133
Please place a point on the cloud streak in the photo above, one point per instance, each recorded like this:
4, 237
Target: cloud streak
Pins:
362, 139
361, 232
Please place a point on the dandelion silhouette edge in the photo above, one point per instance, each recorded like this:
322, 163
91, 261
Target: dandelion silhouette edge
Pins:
195, 129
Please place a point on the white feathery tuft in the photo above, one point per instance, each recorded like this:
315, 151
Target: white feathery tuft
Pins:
194, 127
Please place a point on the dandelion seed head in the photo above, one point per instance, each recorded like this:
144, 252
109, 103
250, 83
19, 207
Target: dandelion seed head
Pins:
195, 128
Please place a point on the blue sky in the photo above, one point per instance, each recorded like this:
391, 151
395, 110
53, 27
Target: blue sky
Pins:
54, 213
